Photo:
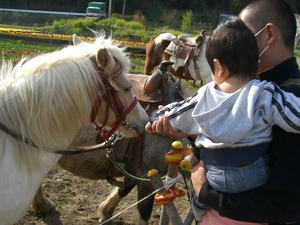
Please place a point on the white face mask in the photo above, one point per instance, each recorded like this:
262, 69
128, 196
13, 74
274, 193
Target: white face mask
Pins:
262, 52
255, 35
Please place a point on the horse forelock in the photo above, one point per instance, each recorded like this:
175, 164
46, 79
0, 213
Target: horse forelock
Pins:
47, 98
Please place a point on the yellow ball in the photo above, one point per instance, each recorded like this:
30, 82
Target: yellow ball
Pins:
177, 145
152, 172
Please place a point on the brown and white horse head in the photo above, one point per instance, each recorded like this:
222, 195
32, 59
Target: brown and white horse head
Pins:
155, 50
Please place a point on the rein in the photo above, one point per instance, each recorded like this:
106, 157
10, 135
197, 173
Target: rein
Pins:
82, 149
71, 150
17, 136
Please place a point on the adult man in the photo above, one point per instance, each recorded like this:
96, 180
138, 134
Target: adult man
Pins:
278, 201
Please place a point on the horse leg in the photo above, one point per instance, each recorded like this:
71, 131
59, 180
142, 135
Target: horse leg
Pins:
107, 207
145, 207
41, 204
201, 83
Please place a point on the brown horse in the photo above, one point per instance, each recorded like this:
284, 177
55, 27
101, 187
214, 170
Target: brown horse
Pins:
96, 166
187, 54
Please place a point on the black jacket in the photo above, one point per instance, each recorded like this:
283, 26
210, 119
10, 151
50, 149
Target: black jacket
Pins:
277, 201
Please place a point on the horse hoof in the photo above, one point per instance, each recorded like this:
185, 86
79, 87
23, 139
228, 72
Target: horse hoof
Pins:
44, 209
106, 223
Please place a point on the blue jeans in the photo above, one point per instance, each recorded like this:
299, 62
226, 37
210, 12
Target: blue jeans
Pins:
238, 179
198, 208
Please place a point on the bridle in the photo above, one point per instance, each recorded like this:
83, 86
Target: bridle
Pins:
113, 102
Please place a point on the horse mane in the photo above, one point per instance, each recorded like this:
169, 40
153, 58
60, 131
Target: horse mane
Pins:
47, 98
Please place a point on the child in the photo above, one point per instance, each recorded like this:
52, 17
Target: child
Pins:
233, 115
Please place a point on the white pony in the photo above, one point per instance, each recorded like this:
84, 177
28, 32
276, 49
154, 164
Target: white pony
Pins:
44, 102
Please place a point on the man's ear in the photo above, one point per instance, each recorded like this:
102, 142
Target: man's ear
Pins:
272, 32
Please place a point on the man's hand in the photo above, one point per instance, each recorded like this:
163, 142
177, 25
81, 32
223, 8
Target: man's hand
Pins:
198, 176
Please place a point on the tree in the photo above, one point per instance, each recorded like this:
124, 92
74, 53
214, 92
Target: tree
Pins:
187, 19
237, 5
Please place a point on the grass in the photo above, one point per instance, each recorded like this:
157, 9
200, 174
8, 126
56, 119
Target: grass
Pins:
297, 53
16, 49
137, 65
121, 29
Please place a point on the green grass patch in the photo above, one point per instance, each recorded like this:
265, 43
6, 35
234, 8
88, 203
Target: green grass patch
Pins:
297, 53
15, 50
137, 65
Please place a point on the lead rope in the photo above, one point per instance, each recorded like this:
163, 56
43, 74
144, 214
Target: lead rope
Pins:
169, 183
110, 156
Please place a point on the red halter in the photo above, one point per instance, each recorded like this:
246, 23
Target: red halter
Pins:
113, 102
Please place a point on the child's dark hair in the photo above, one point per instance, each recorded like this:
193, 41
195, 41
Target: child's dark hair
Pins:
235, 46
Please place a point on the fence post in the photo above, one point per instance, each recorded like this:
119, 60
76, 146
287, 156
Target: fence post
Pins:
168, 207
177, 156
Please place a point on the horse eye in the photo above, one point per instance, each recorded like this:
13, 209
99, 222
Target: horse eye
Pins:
128, 89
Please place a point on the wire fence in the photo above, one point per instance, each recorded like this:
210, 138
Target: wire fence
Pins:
42, 12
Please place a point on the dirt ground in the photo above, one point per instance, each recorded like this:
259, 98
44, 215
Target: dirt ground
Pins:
77, 201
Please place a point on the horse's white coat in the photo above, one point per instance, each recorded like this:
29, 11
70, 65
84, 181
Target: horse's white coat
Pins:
200, 71
164, 36
203, 72
47, 100
17, 186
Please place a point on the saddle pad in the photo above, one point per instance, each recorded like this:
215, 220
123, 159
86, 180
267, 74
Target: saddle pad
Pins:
180, 52
172, 48
138, 81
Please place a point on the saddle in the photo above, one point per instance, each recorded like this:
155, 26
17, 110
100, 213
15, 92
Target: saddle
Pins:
158, 89
151, 91
185, 48
145, 94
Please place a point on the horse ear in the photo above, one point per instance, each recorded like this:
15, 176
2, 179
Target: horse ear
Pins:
103, 58
76, 40
199, 39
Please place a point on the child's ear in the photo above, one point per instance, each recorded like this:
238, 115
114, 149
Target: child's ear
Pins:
220, 68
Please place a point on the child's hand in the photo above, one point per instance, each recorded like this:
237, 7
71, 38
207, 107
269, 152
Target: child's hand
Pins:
164, 127
148, 127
